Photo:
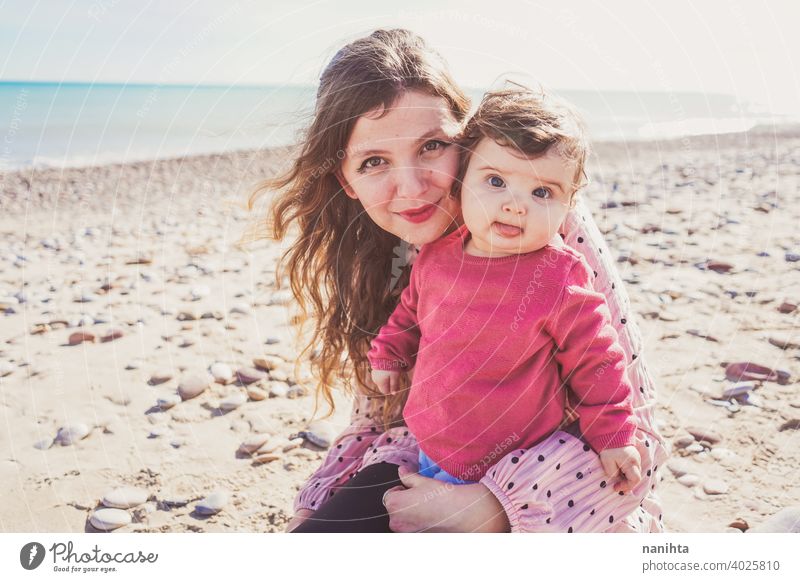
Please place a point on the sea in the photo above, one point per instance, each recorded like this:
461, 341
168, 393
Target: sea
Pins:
78, 124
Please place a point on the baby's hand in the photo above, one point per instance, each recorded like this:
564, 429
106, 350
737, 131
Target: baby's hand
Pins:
387, 381
624, 462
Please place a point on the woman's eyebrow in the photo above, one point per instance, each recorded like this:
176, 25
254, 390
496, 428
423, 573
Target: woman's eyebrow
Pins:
435, 132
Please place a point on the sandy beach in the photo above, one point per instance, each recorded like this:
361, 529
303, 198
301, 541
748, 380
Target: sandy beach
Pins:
141, 349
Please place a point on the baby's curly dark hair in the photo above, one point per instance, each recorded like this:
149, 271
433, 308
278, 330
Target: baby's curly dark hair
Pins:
529, 121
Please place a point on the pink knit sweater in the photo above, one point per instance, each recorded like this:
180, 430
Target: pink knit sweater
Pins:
498, 343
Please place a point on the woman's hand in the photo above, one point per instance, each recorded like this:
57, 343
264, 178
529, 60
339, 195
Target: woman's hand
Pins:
624, 463
299, 517
431, 505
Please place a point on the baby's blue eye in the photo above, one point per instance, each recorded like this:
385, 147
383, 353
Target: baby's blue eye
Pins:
496, 181
542, 193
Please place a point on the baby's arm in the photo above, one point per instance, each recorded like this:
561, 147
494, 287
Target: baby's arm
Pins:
395, 347
593, 363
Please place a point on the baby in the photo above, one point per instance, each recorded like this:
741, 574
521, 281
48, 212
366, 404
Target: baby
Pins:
500, 321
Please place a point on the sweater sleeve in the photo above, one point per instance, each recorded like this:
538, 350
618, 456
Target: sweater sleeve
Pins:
592, 363
396, 345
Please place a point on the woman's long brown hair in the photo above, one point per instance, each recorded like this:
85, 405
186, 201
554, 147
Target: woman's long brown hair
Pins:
340, 264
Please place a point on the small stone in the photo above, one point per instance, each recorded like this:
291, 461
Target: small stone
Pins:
265, 458
168, 401
71, 434
255, 393
199, 292
293, 444
268, 362
785, 342
715, 487
248, 375
688, 480
213, 504
125, 497
792, 257
719, 266
186, 342
702, 434
252, 443
222, 373
112, 335
187, 316
233, 401
159, 377
108, 519
241, 308
694, 448
787, 307
44, 444
682, 442
679, 467
5, 369
192, 387
296, 392
79, 337
278, 389
320, 433
737, 391
739, 524
272, 444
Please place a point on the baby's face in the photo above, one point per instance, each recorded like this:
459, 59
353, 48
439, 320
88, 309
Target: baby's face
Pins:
511, 204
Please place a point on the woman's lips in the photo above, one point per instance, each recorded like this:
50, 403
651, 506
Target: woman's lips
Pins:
506, 230
420, 214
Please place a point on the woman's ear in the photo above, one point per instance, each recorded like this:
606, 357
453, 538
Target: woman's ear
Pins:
343, 183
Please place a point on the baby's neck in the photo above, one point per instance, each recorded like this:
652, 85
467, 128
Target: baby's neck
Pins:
471, 248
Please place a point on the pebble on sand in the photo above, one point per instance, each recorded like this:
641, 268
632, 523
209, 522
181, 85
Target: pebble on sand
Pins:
125, 497
320, 433
112, 335
107, 519
222, 373
248, 375
213, 504
252, 443
702, 434
233, 401
159, 377
79, 337
71, 434
192, 386
715, 487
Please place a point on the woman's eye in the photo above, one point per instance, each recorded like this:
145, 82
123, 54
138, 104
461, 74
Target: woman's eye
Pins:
372, 162
434, 145
542, 193
496, 182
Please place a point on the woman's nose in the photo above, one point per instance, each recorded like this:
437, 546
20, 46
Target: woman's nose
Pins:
410, 182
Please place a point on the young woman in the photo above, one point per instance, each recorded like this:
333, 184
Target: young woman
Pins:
371, 183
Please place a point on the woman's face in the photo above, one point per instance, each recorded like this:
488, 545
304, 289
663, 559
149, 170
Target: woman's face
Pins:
400, 164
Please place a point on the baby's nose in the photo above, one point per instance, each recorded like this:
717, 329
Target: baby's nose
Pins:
514, 208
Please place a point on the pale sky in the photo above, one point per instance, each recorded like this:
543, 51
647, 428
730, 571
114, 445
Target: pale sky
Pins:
746, 48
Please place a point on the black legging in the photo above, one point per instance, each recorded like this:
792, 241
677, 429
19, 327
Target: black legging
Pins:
356, 506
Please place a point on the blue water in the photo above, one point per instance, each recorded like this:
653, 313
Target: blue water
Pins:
73, 124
